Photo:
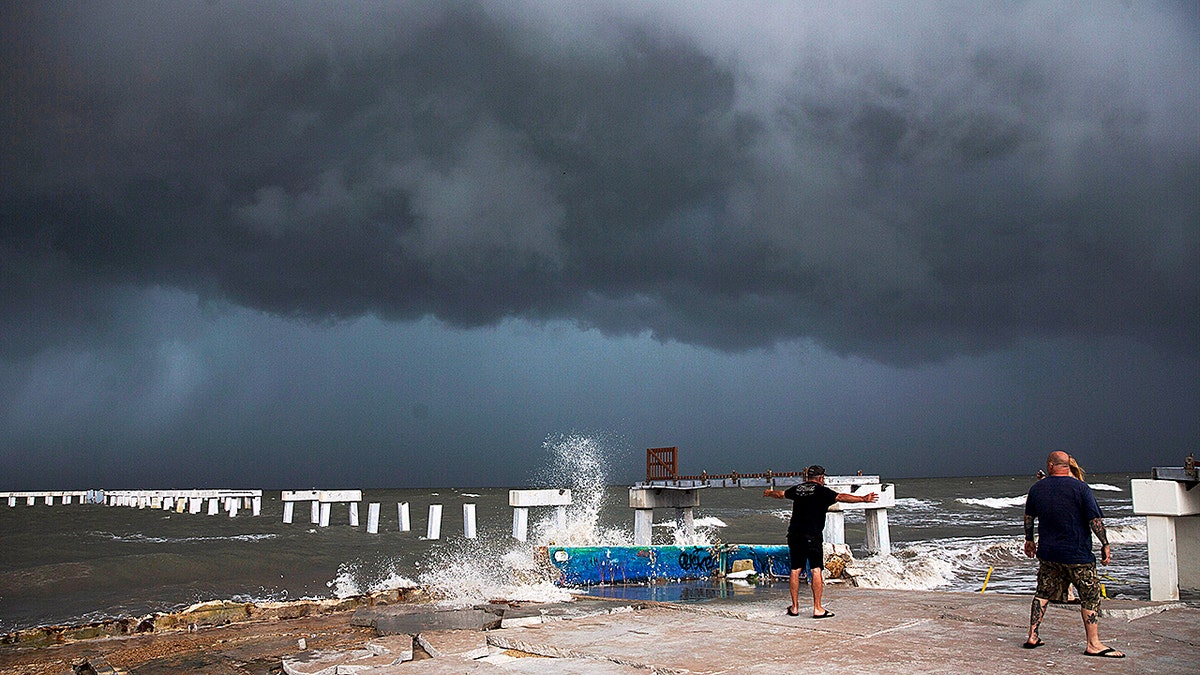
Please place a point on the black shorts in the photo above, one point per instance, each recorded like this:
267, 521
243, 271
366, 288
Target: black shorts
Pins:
806, 552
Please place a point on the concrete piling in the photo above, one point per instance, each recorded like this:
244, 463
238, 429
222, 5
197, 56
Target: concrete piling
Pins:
1172, 511
434, 529
373, 518
469, 521
402, 510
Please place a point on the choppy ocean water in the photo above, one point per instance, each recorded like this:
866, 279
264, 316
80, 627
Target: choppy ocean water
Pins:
77, 563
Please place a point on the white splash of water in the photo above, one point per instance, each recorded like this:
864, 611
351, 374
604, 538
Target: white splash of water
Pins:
994, 502
578, 462
354, 579
937, 564
1131, 532
478, 575
469, 572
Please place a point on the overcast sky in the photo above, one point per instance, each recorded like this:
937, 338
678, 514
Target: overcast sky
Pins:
314, 244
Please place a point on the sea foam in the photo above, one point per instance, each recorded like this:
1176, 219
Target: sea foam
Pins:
994, 502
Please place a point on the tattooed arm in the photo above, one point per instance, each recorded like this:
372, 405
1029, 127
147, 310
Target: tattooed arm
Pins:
1097, 525
1030, 545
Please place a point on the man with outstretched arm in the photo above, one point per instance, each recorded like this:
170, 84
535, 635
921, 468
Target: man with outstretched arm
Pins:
810, 500
1067, 516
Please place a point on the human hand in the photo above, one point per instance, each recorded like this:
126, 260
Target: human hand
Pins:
1105, 554
872, 497
1030, 549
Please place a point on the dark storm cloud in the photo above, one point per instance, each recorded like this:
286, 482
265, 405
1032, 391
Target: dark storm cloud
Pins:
899, 182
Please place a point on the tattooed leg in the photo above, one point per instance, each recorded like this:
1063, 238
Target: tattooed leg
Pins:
1037, 611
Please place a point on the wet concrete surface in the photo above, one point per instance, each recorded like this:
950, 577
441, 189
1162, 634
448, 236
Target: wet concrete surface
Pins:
880, 631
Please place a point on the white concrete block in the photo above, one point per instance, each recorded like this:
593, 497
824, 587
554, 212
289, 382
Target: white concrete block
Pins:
528, 498
339, 495
402, 511
887, 497
663, 498
1164, 498
298, 496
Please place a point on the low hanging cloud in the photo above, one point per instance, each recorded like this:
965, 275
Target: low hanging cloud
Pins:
903, 182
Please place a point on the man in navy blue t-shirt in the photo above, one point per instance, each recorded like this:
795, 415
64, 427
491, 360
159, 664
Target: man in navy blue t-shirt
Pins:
1067, 516
806, 544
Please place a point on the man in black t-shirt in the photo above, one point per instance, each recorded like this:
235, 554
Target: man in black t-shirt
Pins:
810, 501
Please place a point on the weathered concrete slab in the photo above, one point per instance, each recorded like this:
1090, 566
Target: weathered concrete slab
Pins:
461, 643
400, 647
412, 623
375, 654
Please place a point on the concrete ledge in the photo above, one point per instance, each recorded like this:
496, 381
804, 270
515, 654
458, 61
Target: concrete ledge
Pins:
413, 623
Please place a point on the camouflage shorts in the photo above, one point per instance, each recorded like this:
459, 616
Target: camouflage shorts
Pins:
1053, 579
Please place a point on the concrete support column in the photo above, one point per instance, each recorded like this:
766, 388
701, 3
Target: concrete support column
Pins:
323, 518
878, 537
835, 528
315, 516
353, 514
402, 511
469, 521
560, 517
373, 518
434, 529
1164, 559
643, 521
289, 510
685, 520
521, 524
214, 505
1172, 534
256, 506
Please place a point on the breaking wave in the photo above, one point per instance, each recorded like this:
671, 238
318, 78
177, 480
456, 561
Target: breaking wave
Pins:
994, 502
